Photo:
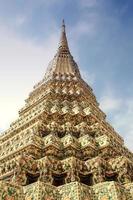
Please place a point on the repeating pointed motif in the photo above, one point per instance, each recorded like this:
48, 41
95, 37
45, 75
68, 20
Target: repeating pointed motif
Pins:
61, 147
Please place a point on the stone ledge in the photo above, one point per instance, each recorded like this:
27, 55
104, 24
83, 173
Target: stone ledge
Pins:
70, 191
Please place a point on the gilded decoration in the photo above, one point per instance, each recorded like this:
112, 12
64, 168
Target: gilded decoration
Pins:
61, 147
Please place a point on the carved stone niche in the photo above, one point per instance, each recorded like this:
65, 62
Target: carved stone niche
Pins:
32, 178
123, 167
51, 150
108, 152
59, 179
71, 146
86, 179
34, 151
52, 146
71, 151
27, 171
88, 147
97, 166
107, 147
88, 152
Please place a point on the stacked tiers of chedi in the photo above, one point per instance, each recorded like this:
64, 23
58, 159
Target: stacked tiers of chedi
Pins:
61, 146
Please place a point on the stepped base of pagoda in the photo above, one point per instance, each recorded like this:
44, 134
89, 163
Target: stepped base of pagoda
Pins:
71, 191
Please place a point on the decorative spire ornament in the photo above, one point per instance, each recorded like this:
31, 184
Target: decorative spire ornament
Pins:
63, 45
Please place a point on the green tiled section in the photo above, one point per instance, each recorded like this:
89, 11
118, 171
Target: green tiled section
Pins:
40, 191
75, 191
108, 191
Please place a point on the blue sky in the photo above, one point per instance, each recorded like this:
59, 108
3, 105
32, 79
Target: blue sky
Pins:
100, 34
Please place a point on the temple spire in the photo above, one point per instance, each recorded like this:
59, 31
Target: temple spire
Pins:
63, 25
63, 45
63, 63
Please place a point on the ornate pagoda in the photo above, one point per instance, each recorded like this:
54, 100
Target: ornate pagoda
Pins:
61, 147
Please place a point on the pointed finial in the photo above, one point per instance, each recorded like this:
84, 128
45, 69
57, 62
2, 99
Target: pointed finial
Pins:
63, 26
63, 22
63, 41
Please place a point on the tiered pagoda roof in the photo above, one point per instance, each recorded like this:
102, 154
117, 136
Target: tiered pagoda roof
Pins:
61, 147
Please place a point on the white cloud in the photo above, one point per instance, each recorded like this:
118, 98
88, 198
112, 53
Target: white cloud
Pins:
123, 121
120, 112
22, 64
109, 103
20, 20
89, 78
87, 26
